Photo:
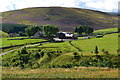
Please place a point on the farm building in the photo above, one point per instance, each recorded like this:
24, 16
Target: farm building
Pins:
38, 34
99, 36
67, 35
13, 35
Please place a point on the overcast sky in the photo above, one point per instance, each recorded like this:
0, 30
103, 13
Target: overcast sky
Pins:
101, 5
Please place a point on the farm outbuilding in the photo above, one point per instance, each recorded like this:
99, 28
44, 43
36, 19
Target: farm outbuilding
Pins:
13, 35
67, 35
38, 34
99, 36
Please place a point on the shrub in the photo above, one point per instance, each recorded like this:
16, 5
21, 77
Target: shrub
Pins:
103, 50
35, 65
118, 51
76, 55
49, 54
96, 50
91, 51
85, 63
37, 56
42, 54
22, 65
39, 50
106, 52
24, 51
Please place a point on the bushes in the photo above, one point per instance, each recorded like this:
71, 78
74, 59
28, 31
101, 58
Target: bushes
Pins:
29, 58
105, 52
37, 56
43, 58
100, 61
96, 50
118, 51
35, 65
85, 63
76, 55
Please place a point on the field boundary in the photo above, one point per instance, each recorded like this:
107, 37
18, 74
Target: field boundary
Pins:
21, 45
75, 46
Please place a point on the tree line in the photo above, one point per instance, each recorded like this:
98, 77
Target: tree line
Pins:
84, 29
48, 30
13, 28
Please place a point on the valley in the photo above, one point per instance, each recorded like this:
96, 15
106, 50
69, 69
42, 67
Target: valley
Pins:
87, 46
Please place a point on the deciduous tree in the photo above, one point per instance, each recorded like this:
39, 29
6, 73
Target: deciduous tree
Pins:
50, 31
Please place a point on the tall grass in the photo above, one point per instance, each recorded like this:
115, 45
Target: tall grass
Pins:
76, 72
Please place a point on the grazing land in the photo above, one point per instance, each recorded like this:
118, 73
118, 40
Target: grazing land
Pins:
108, 42
107, 30
6, 42
58, 60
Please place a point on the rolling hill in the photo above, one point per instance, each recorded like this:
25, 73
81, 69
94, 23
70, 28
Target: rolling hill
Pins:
66, 18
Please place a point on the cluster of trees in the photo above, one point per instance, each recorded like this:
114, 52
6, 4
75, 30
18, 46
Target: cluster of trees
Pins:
13, 28
83, 29
49, 30
31, 30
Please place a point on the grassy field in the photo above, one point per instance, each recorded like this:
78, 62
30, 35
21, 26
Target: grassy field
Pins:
107, 30
104, 31
56, 64
76, 72
6, 42
108, 42
63, 46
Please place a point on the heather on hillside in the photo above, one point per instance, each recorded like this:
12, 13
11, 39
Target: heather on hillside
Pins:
66, 18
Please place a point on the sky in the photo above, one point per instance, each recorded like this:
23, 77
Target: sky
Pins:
100, 5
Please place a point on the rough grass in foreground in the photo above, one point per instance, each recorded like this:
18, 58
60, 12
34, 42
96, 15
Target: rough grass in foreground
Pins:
76, 72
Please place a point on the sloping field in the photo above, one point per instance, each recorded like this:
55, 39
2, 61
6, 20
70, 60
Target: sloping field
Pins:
108, 42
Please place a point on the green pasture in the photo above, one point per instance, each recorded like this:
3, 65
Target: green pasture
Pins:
63, 46
108, 30
6, 42
108, 42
